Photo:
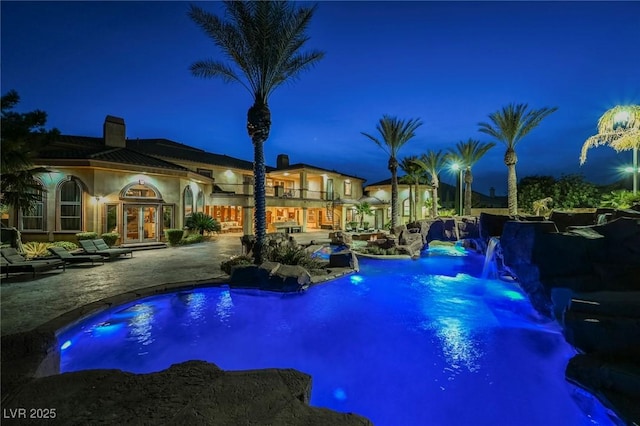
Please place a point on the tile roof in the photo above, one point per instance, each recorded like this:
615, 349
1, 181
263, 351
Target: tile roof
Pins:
169, 149
309, 166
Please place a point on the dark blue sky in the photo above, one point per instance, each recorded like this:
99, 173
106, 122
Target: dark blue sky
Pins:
449, 63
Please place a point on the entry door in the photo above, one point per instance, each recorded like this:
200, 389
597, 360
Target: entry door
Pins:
140, 223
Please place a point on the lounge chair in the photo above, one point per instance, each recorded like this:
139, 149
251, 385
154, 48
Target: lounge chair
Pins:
12, 261
65, 256
103, 249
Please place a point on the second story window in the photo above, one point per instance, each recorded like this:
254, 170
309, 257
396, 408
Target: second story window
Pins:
347, 188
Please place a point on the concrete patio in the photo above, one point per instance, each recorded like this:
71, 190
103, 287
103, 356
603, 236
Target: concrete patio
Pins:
27, 302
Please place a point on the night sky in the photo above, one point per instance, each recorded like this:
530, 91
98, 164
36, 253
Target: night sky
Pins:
449, 63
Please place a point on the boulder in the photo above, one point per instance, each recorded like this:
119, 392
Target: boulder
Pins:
398, 229
468, 228
190, 393
288, 278
344, 259
340, 238
252, 276
491, 225
565, 219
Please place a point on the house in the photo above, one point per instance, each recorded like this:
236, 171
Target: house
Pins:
138, 188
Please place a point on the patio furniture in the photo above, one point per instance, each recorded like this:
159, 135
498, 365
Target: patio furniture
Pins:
12, 262
287, 227
65, 256
91, 247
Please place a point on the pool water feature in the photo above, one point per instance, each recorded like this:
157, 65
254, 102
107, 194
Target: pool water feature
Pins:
403, 342
327, 250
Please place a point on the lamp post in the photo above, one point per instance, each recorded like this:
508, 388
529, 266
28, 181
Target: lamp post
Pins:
456, 167
620, 122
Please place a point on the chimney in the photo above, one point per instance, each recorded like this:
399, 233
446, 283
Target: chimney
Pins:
113, 132
282, 161
492, 192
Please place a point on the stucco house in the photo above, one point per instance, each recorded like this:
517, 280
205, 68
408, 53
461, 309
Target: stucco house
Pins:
141, 187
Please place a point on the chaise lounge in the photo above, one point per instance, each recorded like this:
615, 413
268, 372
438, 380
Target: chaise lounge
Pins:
13, 262
65, 256
100, 247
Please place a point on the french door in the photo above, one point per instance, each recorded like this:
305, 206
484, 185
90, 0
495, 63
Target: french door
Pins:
140, 223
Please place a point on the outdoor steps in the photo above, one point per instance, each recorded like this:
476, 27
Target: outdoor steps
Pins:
145, 246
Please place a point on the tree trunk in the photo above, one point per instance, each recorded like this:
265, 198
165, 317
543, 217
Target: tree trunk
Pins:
510, 159
468, 178
417, 207
411, 201
434, 207
393, 167
258, 127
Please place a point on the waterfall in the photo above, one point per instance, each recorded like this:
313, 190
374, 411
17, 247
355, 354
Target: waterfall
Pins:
490, 268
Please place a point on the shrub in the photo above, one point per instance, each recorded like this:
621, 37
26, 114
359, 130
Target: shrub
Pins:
191, 239
86, 236
173, 236
289, 255
35, 249
202, 222
236, 260
619, 199
110, 238
67, 245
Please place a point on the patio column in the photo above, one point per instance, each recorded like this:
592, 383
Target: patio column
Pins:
304, 219
247, 220
303, 185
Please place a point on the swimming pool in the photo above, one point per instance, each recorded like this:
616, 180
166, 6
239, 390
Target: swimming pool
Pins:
403, 343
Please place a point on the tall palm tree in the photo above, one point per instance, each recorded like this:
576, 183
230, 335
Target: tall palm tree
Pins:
509, 126
467, 154
432, 163
394, 133
263, 43
411, 178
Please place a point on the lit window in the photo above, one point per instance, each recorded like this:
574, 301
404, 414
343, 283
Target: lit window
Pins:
200, 202
405, 207
140, 191
188, 202
347, 188
70, 203
33, 220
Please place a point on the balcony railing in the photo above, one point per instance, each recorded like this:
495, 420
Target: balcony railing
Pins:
278, 192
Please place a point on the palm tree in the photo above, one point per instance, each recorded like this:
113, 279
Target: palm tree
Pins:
363, 209
466, 155
411, 177
394, 134
619, 128
509, 126
432, 163
262, 41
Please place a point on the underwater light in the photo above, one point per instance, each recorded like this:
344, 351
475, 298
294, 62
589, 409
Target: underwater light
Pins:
356, 279
340, 394
65, 345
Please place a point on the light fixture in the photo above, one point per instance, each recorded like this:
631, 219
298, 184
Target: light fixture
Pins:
140, 182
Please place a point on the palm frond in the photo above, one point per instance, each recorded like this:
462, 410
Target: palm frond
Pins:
513, 123
611, 131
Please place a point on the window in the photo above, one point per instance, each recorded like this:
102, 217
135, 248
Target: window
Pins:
205, 172
406, 204
329, 189
33, 220
167, 217
200, 202
188, 202
70, 202
140, 191
347, 188
111, 218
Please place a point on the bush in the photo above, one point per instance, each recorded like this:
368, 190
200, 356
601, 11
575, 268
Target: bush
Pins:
67, 245
173, 236
35, 249
86, 236
110, 238
191, 239
202, 222
289, 255
237, 260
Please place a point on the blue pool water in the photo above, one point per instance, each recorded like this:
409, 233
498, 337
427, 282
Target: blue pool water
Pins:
403, 343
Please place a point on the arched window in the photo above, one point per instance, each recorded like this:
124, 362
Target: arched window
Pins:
70, 205
406, 206
34, 219
188, 201
200, 202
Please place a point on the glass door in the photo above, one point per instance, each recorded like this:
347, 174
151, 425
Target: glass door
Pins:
140, 223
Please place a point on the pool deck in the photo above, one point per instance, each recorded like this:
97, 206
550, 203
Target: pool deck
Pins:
27, 303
